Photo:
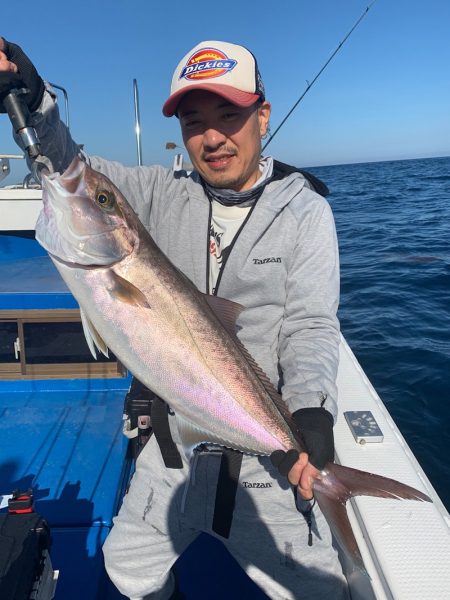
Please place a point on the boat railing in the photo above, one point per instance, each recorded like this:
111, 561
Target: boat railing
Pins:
5, 168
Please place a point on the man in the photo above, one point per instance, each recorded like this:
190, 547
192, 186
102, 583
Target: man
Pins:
252, 230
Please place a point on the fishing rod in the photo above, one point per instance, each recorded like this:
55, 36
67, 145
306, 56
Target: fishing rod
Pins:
309, 86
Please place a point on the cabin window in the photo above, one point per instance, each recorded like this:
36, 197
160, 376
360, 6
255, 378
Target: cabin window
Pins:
9, 347
49, 344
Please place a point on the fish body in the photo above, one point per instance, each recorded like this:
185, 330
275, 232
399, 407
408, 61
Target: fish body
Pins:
179, 342
155, 320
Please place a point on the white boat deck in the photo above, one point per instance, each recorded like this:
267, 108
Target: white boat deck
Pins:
405, 544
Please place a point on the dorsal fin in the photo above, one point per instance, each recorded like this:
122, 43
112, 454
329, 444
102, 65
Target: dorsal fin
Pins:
227, 312
271, 390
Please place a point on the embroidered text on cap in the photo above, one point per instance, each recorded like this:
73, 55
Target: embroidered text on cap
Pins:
207, 63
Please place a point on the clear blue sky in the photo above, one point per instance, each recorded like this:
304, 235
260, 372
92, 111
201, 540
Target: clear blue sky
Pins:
386, 95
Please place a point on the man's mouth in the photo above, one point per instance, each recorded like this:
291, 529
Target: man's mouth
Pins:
219, 161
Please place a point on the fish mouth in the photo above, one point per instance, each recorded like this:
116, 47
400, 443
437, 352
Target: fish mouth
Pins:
69, 181
71, 178
71, 228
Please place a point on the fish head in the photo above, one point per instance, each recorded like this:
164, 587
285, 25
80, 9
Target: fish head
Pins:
85, 219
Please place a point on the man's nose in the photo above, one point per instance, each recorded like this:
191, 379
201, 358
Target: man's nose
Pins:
213, 138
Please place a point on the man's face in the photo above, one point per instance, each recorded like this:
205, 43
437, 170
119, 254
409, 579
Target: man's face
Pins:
223, 140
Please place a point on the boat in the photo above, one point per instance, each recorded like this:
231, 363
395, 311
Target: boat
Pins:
61, 437
61, 426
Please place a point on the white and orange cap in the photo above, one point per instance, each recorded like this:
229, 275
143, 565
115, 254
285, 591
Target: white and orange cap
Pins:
225, 69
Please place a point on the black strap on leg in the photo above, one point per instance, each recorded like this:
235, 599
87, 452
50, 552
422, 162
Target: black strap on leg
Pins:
137, 410
161, 429
230, 467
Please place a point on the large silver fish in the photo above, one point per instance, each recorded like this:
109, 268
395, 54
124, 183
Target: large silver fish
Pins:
177, 341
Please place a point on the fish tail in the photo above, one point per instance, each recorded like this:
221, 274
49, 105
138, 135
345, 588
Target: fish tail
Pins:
337, 484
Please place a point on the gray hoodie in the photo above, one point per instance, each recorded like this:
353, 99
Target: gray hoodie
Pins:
283, 268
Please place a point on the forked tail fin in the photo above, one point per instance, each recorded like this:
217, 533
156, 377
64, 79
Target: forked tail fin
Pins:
338, 484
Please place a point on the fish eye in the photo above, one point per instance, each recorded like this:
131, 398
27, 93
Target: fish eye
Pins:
105, 199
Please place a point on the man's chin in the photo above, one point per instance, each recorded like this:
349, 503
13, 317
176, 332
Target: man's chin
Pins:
220, 180
223, 179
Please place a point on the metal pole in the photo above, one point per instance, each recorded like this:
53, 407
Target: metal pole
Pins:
137, 121
66, 102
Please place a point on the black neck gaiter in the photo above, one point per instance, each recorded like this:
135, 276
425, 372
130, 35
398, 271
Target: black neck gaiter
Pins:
245, 198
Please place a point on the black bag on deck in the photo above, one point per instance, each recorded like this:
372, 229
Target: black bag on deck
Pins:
24, 540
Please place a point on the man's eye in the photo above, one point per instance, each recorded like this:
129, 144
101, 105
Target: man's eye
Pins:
191, 124
229, 116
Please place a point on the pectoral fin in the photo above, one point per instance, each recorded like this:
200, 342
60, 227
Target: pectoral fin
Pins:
125, 291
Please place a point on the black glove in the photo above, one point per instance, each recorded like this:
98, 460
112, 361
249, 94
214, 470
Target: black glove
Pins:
27, 77
316, 427
284, 461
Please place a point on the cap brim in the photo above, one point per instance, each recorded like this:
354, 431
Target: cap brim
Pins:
228, 92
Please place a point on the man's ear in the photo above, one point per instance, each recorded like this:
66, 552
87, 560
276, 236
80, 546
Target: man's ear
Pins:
264, 117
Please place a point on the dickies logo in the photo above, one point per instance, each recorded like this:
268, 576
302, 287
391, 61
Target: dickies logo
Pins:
206, 64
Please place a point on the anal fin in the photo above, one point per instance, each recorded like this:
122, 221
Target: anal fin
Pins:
192, 436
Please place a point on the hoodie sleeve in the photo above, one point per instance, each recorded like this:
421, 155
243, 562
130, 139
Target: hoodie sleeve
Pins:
309, 336
140, 185
56, 142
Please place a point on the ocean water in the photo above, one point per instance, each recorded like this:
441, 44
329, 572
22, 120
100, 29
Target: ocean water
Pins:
393, 223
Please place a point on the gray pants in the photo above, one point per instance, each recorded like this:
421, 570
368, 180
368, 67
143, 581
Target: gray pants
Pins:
166, 509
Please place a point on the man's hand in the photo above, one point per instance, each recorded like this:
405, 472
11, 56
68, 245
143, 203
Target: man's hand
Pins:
315, 428
297, 468
302, 475
17, 71
5, 64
